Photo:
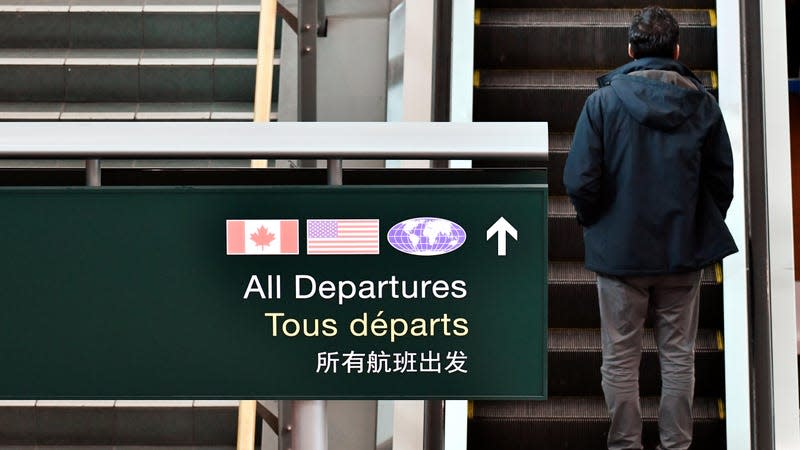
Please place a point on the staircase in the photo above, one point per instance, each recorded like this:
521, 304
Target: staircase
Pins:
125, 60
128, 59
537, 60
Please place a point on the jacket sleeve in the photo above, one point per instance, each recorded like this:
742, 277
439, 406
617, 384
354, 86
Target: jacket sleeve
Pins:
717, 166
583, 170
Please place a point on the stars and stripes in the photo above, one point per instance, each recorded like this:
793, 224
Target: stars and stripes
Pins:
342, 237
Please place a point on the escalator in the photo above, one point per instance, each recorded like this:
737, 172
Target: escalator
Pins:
537, 60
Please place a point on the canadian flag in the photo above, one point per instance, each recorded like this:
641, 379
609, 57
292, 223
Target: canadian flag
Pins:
262, 237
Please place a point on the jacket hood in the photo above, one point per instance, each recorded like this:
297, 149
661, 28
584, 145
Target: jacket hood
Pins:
659, 93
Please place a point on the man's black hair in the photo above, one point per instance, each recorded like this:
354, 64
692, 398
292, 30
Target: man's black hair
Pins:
653, 32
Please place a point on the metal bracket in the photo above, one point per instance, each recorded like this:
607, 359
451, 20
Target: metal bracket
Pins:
291, 19
268, 417
322, 19
288, 17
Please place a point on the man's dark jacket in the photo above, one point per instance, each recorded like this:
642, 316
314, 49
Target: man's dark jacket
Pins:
650, 172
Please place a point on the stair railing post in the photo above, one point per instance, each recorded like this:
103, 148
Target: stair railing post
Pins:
262, 106
246, 432
93, 177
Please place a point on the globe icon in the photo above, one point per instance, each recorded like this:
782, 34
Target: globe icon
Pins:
426, 236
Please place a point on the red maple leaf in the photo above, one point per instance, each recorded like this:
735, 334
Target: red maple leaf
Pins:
263, 238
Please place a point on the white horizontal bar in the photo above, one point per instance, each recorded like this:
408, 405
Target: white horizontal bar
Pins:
278, 140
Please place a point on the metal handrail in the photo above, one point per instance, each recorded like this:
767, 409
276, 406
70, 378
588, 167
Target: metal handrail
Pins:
277, 140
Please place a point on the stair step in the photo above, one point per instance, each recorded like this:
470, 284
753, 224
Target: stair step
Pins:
575, 356
22, 6
130, 23
129, 75
553, 96
577, 423
572, 297
222, 111
582, 38
122, 423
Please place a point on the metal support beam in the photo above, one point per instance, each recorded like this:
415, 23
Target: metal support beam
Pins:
442, 46
285, 425
334, 172
93, 172
309, 425
774, 354
434, 425
442, 50
307, 11
461, 66
735, 289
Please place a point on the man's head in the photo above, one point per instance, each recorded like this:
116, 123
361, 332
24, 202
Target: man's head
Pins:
653, 32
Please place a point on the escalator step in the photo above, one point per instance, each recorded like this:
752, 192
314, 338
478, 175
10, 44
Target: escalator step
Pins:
563, 79
591, 408
582, 17
557, 157
577, 423
572, 297
588, 340
552, 96
574, 359
670, 4
578, 38
565, 235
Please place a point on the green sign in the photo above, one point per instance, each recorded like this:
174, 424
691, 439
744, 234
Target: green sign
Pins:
274, 292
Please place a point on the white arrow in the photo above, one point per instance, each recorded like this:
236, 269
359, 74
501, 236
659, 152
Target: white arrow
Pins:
501, 228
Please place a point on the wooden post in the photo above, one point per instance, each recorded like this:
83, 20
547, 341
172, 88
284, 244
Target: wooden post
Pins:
264, 65
246, 436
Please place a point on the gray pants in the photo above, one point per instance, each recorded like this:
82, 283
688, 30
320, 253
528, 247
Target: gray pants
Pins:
624, 302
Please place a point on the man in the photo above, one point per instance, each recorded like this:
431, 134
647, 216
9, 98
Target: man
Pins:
650, 176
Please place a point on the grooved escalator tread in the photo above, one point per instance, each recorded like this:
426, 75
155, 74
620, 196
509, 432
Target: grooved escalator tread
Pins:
562, 79
588, 340
572, 293
526, 38
670, 4
571, 17
574, 273
552, 96
581, 409
575, 356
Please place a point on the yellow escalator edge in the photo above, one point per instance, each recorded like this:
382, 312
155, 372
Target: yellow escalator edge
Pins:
712, 18
714, 80
718, 273
721, 409
477, 16
476, 79
470, 409
720, 341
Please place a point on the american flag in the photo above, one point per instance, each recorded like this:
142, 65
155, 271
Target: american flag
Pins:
342, 237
